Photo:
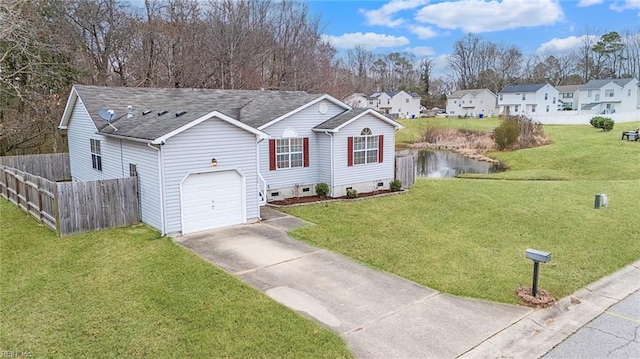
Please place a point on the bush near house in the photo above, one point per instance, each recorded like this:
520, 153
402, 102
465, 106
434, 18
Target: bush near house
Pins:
322, 189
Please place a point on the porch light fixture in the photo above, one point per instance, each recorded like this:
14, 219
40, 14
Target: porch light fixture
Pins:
214, 162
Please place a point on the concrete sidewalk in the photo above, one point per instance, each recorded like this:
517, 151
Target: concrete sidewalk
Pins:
384, 316
539, 332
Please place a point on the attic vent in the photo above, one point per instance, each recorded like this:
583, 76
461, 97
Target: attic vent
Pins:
178, 114
162, 113
146, 112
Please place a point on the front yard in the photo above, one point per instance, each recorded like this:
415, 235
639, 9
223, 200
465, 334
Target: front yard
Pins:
128, 293
468, 236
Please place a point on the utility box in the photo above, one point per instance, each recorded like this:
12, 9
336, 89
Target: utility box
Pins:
600, 201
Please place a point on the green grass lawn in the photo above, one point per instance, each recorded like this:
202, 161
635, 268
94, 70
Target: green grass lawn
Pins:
468, 236
127, 293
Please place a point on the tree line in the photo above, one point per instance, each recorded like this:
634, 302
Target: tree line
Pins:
47, 45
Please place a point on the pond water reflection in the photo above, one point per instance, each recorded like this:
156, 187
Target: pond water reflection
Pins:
446, 164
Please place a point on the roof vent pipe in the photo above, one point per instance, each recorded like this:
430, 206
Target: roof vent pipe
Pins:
129, 111
178, 114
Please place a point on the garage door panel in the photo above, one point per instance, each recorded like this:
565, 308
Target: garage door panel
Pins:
212, 200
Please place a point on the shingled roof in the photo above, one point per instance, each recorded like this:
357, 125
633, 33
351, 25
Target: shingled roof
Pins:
336, 122
253, 108
597, 84
522, 88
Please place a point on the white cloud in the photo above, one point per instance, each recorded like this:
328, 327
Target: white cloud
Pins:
369, 40
586, 3
423, 32
420, 51
626, 5
560, 45
480, 16
383, 16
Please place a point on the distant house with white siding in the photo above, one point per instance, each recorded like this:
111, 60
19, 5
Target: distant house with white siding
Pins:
472, 103
609, 96
568, 97
400, 104
528, 99
210, 158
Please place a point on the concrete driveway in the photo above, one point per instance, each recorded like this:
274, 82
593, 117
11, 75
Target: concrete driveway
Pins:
379, 315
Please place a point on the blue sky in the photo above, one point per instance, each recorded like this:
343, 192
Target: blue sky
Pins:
429, 28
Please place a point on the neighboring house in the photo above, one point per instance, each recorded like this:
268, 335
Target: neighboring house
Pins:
359, 100
400, 104
568, 97
472, 103
528, 99
210, 158
609, 96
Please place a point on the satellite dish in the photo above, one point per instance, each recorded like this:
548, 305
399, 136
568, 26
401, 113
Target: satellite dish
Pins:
108, 115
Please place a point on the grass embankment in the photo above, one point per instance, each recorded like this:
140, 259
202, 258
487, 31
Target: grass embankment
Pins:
468, 236
128, 293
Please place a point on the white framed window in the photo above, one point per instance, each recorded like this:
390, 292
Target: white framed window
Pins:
546, 96
407, 100
365, 148
629, 93
96, 154
500, 97
289, 153
547, 108
597, 98
608, 93
524, 96
533, 108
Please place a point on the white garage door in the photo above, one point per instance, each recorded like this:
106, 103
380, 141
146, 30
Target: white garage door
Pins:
211, 200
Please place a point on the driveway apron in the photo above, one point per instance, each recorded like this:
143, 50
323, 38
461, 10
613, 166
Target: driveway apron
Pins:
379, 315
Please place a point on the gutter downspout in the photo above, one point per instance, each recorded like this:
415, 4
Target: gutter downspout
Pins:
259, 176
163, 230
332, 162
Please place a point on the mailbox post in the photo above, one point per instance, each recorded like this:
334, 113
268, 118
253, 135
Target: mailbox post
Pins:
537, 257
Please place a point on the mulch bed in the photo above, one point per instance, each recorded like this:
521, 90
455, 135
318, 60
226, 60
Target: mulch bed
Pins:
315, 199
542, 299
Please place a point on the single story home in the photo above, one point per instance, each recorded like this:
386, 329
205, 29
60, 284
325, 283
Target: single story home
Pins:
207, 158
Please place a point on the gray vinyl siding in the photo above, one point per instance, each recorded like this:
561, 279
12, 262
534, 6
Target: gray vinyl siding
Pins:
79, 132
116, 156
323, 149
146, 161
345, 175
192, 150
302, 122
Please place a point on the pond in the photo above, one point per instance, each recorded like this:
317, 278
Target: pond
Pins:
446, 164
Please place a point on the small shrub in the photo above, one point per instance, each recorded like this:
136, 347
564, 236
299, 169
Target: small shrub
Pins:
395, 185
607, 124
506, 135
322, 189
597, 121
352, 193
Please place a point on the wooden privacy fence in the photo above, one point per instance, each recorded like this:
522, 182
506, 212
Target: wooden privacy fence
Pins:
35, 195
72, 207
52, 166
406, 170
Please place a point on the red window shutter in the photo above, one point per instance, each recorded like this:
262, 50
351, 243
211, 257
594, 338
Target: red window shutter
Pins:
350, 151
305, 151
380, 147
272, 155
